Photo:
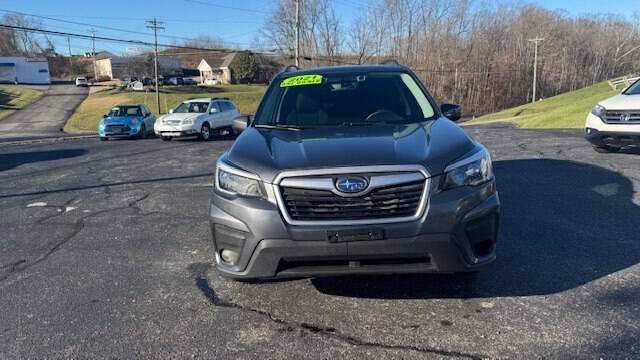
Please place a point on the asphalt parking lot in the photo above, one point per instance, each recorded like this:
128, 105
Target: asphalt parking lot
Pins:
105, 252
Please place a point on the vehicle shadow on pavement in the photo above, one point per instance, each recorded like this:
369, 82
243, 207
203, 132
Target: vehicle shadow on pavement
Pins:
563, 224
11, 160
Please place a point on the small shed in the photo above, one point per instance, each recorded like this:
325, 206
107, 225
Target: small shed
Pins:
23, 70
217, 67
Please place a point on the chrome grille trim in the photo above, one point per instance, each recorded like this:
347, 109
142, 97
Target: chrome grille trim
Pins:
319, 179
615, 116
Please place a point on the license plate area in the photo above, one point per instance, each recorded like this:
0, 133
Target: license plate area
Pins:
337, 236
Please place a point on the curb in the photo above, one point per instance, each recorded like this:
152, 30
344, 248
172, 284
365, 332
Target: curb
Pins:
42, 140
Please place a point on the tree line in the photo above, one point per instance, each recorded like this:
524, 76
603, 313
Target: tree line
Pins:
474, 54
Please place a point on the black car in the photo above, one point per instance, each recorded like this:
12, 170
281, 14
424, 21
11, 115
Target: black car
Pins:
352, 170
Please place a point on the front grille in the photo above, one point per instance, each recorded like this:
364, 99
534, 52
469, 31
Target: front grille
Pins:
622, 116
171, 122
400, 200
116, 129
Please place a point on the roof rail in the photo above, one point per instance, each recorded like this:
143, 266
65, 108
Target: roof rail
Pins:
390, 62
290, 68
220, 98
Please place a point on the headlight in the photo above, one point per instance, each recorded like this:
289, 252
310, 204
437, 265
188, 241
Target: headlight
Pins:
599, 111
237, 182
472, 171
187, 122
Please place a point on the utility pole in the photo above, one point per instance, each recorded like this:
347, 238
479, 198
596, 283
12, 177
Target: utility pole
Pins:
93, 42
535, 67
297, 33
155, 25
70, 55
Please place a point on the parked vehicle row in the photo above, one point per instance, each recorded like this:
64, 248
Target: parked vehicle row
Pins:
197, 117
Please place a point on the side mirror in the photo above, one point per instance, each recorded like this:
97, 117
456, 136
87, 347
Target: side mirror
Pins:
240, 123
452, 111
170, 111
104, 116
213, 110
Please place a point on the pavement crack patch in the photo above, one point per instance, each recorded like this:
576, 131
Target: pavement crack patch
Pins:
200, 270
78, 225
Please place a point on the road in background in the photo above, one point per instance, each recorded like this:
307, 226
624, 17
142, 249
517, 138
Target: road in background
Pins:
106, 252
46, 116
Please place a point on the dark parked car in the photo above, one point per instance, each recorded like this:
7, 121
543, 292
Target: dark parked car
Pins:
352, 170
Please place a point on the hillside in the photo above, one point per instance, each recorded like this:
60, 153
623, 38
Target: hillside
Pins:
568, 110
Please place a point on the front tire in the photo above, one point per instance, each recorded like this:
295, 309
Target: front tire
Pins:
205, 132
606, 149
166, 138
143, 132
103, 138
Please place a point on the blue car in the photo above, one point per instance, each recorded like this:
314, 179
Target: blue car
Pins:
125, 121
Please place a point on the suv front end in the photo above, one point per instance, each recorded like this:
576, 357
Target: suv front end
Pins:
614, 123
370, 198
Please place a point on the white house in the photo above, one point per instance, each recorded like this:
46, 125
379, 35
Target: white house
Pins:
23, 70
217, 67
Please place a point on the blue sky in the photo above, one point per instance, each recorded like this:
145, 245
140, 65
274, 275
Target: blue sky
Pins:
236, 21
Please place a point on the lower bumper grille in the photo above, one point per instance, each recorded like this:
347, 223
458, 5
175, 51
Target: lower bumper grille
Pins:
401, 200
117, 129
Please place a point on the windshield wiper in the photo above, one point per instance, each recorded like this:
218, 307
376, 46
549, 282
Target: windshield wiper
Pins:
351, 123
279, 127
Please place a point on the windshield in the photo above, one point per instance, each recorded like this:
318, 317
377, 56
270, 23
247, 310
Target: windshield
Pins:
192, 107
345, 100
125, 111
634, 89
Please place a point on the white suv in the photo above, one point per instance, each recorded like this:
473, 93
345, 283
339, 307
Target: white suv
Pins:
614, 123
197, 117
81, 81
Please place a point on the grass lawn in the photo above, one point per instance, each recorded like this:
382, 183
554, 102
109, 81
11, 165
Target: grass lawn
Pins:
568, 110
14, 98
89, 113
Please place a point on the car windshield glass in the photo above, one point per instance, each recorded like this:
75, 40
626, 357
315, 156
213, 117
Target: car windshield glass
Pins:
354, 99
125, 111
634, 89
192, 107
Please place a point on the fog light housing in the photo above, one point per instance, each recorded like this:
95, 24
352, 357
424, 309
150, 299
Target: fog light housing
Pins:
229, 256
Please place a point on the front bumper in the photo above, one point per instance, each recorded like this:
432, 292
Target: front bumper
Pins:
602, 134
130, 131
175, 130
458, 233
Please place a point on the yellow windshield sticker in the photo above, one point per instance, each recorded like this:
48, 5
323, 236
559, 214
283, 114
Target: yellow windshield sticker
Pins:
302, 80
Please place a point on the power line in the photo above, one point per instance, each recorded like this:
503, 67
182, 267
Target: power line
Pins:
227, 7
113, 28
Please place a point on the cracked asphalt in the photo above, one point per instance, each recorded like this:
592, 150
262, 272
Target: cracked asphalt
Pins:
105, 253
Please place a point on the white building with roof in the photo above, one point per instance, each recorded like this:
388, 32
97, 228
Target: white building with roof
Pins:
24, 70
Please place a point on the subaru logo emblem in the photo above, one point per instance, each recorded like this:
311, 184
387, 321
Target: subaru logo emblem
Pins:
352, 184
625, 117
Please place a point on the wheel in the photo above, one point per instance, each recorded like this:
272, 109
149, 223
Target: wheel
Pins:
205, 132
166, 138
143, 132
606, 149
103, 138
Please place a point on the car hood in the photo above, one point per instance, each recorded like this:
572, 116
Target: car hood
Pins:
622, 102
181, 116
115, 120
266, 152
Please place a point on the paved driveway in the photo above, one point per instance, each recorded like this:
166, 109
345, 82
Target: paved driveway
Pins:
46, 116
105, 252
